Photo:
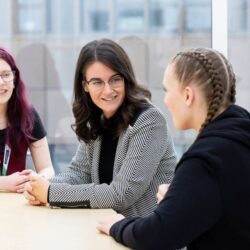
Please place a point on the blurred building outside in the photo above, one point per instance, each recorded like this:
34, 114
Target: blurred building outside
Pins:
46, 36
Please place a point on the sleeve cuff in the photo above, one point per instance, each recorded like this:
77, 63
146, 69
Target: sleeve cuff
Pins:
116, 231
48, 194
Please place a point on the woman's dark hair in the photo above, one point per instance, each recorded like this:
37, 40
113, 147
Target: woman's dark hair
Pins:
88, 125
19, 114
211, 70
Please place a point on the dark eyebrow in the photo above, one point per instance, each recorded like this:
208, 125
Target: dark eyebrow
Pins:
94, 78
117, 74
99, 79
6, 71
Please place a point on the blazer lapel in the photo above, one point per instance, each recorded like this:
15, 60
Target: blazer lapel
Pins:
95, 162
121, 150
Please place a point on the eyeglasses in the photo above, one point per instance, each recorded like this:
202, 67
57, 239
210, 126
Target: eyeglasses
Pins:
7, 76
114, 82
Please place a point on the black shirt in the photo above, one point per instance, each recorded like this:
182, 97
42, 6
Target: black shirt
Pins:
109, 145
107, 157
38, 132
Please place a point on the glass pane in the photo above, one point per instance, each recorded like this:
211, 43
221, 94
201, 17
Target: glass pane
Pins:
28, 2
239, 47
197, 15
94, 16
129, 16
151, 32
164, 15
4, 17
29, 16
60, 21
238, 16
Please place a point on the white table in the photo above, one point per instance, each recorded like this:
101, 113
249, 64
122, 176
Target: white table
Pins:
26, 227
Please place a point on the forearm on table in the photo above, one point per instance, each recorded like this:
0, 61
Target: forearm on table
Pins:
47, 172
3, 182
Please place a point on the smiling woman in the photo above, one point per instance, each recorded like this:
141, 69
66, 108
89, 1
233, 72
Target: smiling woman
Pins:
109, 95
125, 149
20, 129
7, 82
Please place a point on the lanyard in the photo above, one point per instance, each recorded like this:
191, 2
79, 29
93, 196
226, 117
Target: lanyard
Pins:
6, 159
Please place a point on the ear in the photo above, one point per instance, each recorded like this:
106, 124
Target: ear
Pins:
189, 95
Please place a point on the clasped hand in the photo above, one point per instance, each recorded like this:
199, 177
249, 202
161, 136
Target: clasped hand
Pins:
36, 190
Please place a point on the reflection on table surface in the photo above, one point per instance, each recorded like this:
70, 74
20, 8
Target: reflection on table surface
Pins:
26, 227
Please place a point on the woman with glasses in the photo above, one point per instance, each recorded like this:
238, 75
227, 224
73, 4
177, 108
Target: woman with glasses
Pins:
20, 130
125, 149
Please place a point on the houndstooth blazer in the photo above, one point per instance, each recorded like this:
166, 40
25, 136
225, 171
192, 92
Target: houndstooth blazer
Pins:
144, 159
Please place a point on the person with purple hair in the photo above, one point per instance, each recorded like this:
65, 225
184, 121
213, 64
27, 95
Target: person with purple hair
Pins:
20, 129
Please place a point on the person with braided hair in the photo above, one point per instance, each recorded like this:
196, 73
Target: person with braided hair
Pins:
208, 202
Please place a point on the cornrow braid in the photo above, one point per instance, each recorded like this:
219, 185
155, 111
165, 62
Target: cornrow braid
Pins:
232, 80
233, 92
216, 98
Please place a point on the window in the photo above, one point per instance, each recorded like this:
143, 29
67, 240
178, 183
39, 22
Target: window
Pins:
197, 15
164, 15
4, 17
239, 47
151, 31
94, 16
60, 16
238, 16
129, 16
29, 17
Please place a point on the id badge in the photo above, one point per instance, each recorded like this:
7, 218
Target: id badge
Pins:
6, 159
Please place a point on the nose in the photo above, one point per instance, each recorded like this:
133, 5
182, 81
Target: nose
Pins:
107, 88
1, 80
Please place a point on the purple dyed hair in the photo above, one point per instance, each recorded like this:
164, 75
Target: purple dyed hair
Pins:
19, 113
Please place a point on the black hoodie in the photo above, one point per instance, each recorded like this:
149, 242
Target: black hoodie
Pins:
208, 203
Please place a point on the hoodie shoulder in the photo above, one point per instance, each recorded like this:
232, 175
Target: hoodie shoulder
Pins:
232, 124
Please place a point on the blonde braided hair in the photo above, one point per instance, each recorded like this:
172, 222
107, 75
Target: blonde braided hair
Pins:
210, 70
